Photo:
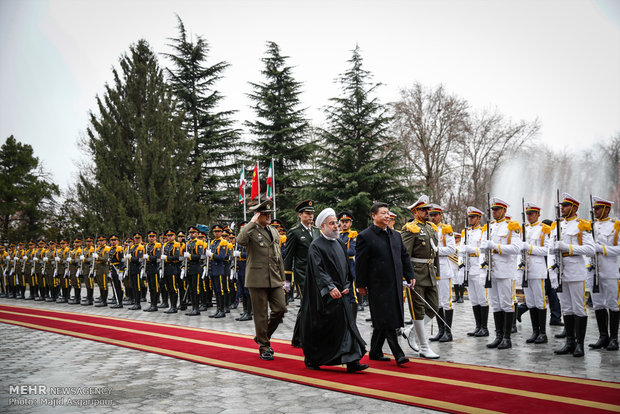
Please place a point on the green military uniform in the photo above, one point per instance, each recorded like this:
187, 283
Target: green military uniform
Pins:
74, 272
27, 267
87, 272
298, 240
39, 276
421, 242
62, 272
101, 272
50, 277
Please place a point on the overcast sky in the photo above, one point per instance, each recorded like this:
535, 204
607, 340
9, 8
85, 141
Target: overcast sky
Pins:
555, 60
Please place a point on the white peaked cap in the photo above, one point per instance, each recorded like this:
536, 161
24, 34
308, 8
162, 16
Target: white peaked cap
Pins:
473, 210
498, 202
422, 202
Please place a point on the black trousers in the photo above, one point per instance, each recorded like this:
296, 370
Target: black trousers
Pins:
377, 340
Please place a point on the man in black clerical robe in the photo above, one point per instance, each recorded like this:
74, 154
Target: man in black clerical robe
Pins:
328, 330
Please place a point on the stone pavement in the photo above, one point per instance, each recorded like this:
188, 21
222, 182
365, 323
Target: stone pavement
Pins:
133, 381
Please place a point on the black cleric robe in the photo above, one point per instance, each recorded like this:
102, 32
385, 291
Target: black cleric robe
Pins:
329, 334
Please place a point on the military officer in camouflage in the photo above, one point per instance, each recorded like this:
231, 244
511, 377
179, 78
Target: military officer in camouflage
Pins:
298, 240
421, 242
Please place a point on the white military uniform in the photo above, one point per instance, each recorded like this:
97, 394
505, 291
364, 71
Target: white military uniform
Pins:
607, 233
447, 247
536, 248
471, 257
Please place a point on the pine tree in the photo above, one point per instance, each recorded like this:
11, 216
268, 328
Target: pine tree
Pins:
139, 177
280, 130
359, 166
26, 192
216, 148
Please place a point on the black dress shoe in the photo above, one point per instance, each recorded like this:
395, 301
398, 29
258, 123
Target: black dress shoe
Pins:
101, 305
135, 307
381, 358
193, 312
266, 356
171, 310
117, 306
556, 323
402, 360
356, 366
313, 367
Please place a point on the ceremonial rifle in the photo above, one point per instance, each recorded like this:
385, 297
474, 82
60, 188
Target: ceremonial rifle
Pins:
523, 266
558, 265
488, 263
466, 256
594, 265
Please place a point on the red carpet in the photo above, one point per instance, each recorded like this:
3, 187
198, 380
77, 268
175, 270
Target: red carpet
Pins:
442, 386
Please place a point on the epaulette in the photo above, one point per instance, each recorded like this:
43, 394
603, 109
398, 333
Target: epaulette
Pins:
546, 229
352, 234
176, 244
434, 226
584, 225
157, 245
107, 249
411, 227
483, 228
617, 225
514, 226
447, 229
296, 226
553, 225
282, 239
463, 233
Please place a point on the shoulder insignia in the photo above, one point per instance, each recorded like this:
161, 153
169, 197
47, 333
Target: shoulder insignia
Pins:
483, 228
282, 239
433, 226
514, 226
352, 234
584, 225
617, 225
176, 244
107, 249
546, 229
411, 227
296, 226
158, 245
463, 233
447, 229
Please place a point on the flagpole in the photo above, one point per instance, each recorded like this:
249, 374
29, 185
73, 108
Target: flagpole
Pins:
245, 214
258, 179
273, 185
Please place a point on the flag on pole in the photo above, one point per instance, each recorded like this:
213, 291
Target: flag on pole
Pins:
269, 193
255, 183
241, 185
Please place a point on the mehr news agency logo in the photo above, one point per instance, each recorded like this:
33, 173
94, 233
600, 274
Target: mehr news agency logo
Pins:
43, 395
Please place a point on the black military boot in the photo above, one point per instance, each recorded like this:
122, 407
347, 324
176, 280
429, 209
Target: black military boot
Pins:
542, 326
136, 299
77, 296
143, 293
65, 296
164, 299
509, 318
440, 325
244, 303
203, 301
535, 326
461, 294
248, 313
447, 336
49, 294
153, 305
477, 317
194, 311
498, 317
89, 298
601, 321
173, 303
613, 331
24, 292
569, 327
104, 299
581, 325
221, 313
209, 302
226, 302
484, 318
561, 334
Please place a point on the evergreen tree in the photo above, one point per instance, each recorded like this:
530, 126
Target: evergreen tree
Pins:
27, 194
281, 130
357, 156
216, 146
138, 177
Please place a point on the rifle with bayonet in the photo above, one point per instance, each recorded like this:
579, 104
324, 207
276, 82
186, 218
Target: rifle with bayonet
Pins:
488, 262
558, 265
465, 264
523, 266
594, 265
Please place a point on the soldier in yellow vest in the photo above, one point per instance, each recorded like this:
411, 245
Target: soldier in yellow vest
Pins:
39, 270
20, 276
117, 269
74, 271
4, 266
102, 269
152, 255
27, 267
170, 257
87, 270
14, 261
182, 272
62, 270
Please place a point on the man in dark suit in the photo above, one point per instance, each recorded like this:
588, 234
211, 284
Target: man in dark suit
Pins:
381, 262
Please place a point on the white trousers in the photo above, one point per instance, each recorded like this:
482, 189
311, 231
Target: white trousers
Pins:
573, 298
476, 291
444, 291
501, 295
608, 297
535, 294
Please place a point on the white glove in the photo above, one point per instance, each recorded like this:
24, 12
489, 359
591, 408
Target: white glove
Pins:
95, 256
406, 284
127, 256
182, 274
484, 245
236, 253
45, 259
287, 286
526, 247
24, 257
209, 253
36, 259
186, 255
163, 257
57, 259
598, 247
553, 278
82, 257
560, 246
145, 256
491, 245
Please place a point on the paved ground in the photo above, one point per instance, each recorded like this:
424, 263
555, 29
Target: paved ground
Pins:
133, 381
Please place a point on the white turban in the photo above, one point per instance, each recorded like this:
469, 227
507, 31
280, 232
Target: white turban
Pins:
323, 215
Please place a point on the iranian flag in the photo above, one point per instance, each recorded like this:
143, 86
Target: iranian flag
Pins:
241, 186
269, 193
255, 183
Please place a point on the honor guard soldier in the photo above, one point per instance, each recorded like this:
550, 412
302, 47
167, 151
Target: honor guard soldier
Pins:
39, 270
298, 240
135, 255
152, 253
62, 270
194, 252
535, 249
470, 251
127, 284
446, 250
232, 271
50, 279
170, 255
504, 244
348, 237
27, 267
74, 271
100, 257
88, 270
163, 287
20, 278
244, 294
182, 272
605, 302
4, 266
205, 287
575, 243
229, 284
117, 267
14, 262
217, 253
421, 242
